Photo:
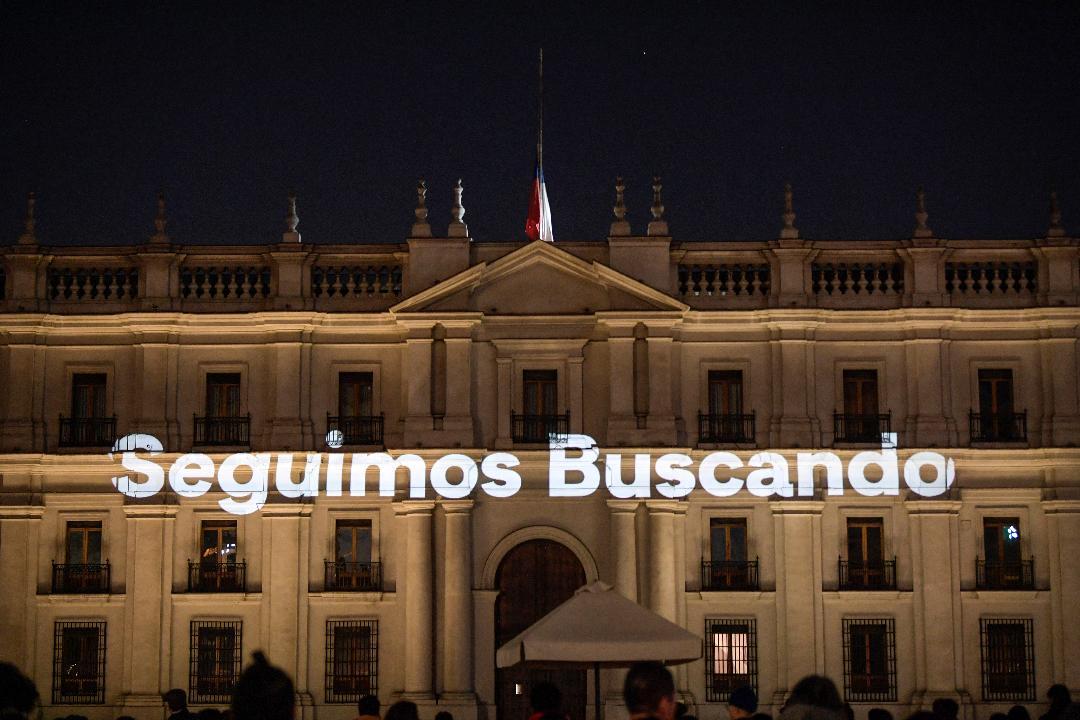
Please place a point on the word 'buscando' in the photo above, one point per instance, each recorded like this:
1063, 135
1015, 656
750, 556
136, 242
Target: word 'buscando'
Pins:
245, 477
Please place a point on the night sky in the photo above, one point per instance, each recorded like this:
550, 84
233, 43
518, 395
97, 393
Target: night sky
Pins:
226, 108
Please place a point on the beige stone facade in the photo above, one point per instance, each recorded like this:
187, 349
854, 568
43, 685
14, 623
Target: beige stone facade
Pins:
636, 342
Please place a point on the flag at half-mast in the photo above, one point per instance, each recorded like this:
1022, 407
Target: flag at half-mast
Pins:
538, 224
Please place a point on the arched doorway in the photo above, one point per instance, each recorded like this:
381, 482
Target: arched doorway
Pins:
533, 579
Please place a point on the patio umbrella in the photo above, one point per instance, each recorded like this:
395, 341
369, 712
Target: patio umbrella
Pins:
598, 626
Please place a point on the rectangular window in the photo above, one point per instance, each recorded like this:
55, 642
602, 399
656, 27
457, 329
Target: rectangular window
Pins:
869, 660
215, 660
728, 538
88, 395
355, 394
223, 395
1008, 659
218, 542
730, 656
995, 392
352, 660
864, 541
79, 663
83, 543
352, 541
1001, 540
725, 392
860, 393
541, 392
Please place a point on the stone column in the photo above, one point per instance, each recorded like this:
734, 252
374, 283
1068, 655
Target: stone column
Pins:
457, 685
284, 427
418, 618
625, 577
662, 558
1063, 521
622, 425
417, 368
505, 402
661, 430
20, 528
935, 571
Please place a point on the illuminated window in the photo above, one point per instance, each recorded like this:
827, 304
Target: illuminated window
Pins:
352, 660
215, 660
1008, 659
79, 663
730, 656
869, 660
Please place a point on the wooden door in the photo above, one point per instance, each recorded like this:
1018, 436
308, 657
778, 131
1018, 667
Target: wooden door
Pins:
533, 579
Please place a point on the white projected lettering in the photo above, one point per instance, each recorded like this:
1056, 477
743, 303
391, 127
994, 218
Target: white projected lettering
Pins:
576, 468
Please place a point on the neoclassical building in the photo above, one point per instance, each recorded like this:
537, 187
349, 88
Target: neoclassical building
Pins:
729, 355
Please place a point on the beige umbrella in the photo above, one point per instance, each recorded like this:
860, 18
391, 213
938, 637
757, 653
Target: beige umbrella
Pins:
598, 626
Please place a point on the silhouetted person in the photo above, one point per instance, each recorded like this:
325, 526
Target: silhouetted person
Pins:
742, 703
263, 692
761, 716
813, 698
368, 708
1060, 700
444, 715
649, 692
849, 712
946, 709
1018, 712
18, 694
878, 714
544, 699
402, 710
176, 699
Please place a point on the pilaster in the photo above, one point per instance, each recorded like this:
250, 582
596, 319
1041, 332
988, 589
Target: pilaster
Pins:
458, 693
418, 618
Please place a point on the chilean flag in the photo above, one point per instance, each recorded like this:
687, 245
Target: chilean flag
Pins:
538, 224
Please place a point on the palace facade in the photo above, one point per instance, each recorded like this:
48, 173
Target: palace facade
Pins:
439, 345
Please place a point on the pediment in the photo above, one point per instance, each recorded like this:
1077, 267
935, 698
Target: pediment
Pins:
539, 279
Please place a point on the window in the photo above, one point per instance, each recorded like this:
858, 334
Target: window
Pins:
218, 542
88, 395
869, 660
83, 546
352, 568
725, 422
725, 392
355, 394
996, 420
223, 395
541, 418
79, 663
82, 570
728, 567
861, 420
215, 660
353, 541
352, 660
995, 392
1003, 566
730, 657
223, 424
866, 567
88, 426
217, 569
541, 392
1008, 659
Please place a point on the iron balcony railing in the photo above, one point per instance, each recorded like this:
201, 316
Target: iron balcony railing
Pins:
729, 575
228, 430
879, 575
726, 428
1005, 575
353, 576
217, 577
998, 427
849, 428
356, 429
87, 432
74, 578
539, 428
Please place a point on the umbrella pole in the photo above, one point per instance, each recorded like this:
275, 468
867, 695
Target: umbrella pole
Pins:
596, 691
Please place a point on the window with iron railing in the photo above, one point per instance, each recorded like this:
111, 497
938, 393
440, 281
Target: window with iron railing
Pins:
541, 419
1003, 566
223, 423
728, 567
861, 421
88, 425
1008, 659
730, 656
352, 567
997, 419
78, 663
869, 660
865, 567
215, 660
726, 422
82, 570
352, 660
217, 569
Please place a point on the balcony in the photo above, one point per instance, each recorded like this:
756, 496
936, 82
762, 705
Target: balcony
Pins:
357, 429
87, 432
353, 576
217, 577
861, 428
729, 575
726, 428
998, 427
1005, 575
539, 428
80, 578
223, 430
880, 575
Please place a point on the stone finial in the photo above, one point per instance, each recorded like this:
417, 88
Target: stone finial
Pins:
1056, 228
620, 226
29, 224
458, 228
922, 230
658, 225
789, 230
160, 221
291, 221
421, 227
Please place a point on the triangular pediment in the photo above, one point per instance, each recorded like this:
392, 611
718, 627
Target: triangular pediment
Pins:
539, 279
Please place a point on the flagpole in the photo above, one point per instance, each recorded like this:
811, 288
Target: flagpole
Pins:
540, 116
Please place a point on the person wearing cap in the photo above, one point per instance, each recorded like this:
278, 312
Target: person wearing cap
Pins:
742, 703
